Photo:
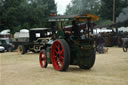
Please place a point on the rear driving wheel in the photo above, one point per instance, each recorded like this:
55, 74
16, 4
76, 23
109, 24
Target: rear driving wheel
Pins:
60, 55
91, 61
43, 59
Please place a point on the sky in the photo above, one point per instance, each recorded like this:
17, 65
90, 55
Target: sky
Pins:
61, 5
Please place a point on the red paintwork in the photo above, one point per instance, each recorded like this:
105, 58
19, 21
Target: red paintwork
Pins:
42, 59
57, 55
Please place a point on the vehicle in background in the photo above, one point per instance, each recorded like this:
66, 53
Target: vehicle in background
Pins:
5, 34
5, 42
125, 44
34, 40
2, 49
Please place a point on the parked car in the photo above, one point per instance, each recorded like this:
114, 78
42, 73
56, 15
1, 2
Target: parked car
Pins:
2, 49
6, 44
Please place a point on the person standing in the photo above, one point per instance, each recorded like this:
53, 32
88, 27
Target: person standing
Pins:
100, 44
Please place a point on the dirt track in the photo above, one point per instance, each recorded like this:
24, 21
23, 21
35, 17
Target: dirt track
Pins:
110, 69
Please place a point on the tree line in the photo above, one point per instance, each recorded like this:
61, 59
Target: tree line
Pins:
101, 8
24, 14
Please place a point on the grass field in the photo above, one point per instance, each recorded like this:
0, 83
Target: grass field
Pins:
109, 69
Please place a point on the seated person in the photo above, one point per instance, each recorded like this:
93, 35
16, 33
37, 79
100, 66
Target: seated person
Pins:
54, 30
75, 29
67, 30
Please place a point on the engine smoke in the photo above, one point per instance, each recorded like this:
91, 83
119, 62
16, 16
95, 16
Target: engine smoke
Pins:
123, 16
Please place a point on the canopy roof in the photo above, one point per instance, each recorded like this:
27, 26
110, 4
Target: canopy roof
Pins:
84, 17
39, 29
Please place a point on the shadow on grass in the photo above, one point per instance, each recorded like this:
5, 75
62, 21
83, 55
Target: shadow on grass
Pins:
70, 69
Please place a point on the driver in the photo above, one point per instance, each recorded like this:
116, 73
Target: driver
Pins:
53, 26
75, 29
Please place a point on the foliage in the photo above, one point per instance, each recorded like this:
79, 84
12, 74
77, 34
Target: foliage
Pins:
102, 8
24, 14
83, 6
106, 10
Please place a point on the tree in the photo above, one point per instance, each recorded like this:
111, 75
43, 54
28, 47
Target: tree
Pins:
24, 14
9, 13
83, 6
106, 10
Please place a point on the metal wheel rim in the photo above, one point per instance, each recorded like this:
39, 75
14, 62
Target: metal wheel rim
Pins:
57, 55
42, 59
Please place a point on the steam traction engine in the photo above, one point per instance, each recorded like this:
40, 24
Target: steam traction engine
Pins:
72, 45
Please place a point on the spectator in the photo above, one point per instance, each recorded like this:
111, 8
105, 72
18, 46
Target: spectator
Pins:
100, 44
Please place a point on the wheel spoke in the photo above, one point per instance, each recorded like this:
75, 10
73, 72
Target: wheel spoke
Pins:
55, 58
43, 60
62, 58
61, 51
43, 56
62, 54
58, 47
60, 63
56, 52
58, 60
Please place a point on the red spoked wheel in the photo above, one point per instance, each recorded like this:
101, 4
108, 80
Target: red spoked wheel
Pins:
60, 55
43, 59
